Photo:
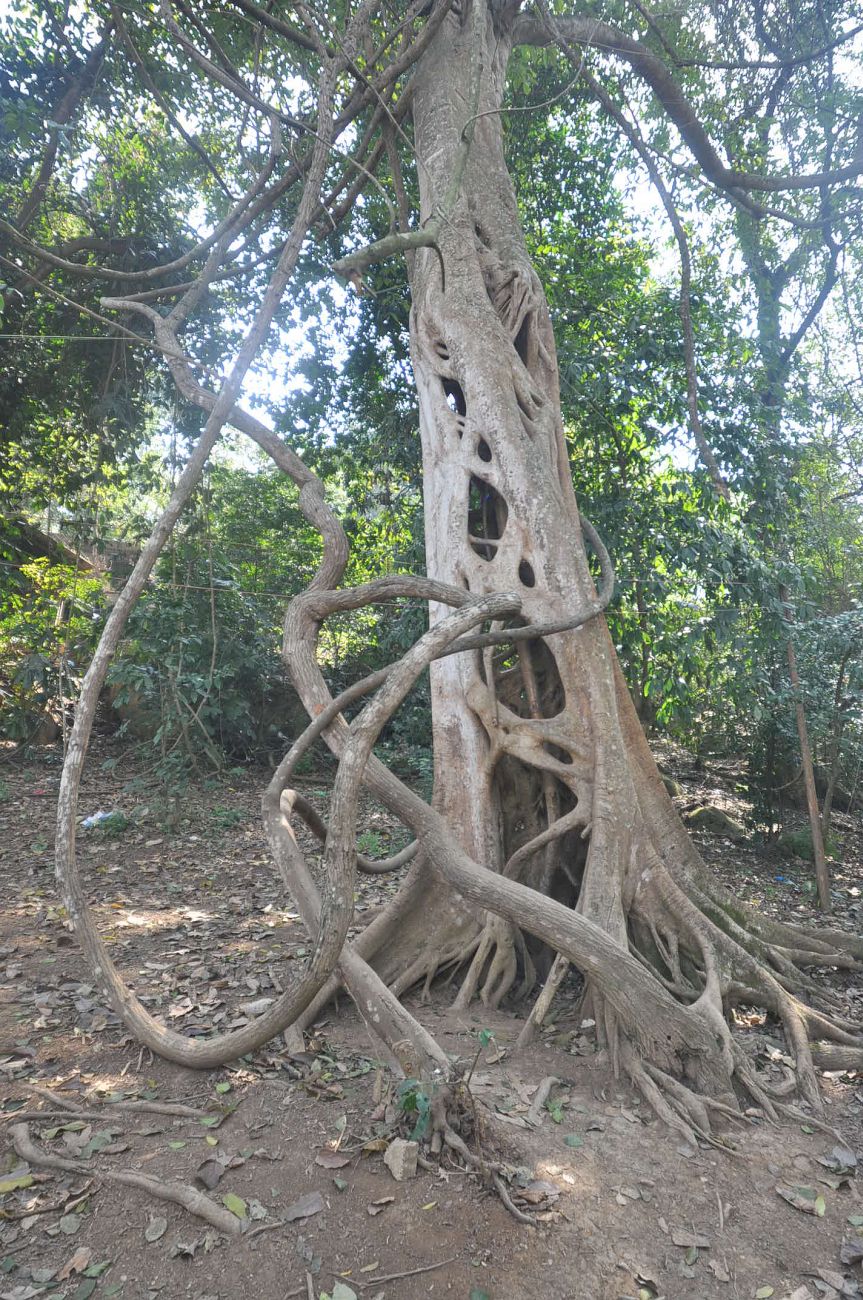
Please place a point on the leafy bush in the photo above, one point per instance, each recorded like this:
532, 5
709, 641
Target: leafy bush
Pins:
200, 675
49, 623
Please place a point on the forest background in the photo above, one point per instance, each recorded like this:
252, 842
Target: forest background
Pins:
116, 150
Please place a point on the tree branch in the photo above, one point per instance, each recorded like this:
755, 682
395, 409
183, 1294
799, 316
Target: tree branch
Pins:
601, 36
81, 86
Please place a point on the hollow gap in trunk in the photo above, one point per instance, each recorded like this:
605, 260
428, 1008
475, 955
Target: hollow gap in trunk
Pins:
526, 574
455, 398
555, 869
521, 342
509, 681
486, 517
483, 450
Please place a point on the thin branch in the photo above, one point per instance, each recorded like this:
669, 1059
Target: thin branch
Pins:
294, 34
191, 140
62, 115
197, 1203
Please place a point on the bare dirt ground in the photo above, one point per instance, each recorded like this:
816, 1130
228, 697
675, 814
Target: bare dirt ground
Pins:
291, 1145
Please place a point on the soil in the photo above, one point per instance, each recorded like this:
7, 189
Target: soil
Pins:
187, 897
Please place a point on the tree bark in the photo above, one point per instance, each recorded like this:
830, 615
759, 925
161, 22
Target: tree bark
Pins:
822, 873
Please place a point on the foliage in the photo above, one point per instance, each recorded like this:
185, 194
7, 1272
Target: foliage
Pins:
199, 673
414, 1101
49, 621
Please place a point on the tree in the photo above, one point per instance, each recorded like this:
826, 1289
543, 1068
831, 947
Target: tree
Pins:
550, 828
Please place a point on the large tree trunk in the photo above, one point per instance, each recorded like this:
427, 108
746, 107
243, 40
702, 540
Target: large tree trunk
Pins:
541, 767
513, 731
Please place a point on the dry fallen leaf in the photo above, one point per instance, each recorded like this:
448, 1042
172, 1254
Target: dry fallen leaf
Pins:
377, 1206
156, 1228
803, 1198
76, 1264
209, 1173
682, 1238
332, 1160
311, 1203
836, 1280
851, 1252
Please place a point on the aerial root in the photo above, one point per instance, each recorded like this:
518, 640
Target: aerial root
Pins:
834, 1028
837, 1056
797, 944
542, 1005
430, 964
497, 941
292, 801
500, 1187
669, 1110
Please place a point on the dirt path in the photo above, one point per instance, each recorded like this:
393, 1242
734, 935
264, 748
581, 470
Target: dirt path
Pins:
196, 920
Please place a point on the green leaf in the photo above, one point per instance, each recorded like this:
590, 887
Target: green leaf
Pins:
96, 1270
573, 1140
12, 1184
210, 1121
223, 1087
235, 1204
176, 1146
820, 1206
764, 1293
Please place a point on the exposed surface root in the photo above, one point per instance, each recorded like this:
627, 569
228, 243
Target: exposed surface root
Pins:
455, 1108
494, 967
181, 1194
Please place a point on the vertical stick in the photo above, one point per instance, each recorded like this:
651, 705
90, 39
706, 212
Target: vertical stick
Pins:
822, 875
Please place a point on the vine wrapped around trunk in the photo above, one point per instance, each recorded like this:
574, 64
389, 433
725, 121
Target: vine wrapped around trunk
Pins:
550, 830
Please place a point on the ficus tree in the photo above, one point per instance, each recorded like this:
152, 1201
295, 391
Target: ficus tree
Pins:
550, 831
